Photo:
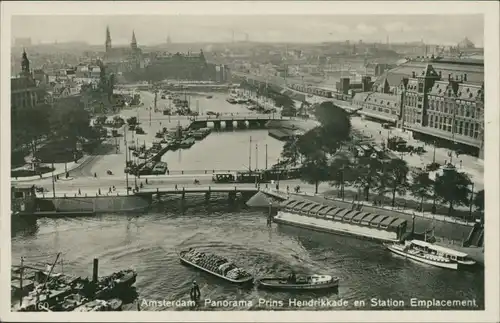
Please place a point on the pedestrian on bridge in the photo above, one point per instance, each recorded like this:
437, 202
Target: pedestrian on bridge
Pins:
79, 192
95, 175
99, 191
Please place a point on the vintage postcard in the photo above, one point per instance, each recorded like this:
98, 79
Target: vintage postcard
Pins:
250, 161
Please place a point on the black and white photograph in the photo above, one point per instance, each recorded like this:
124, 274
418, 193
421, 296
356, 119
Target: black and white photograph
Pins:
190, 158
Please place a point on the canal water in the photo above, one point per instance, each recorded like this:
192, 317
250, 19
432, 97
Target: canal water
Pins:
224, 150
148, 243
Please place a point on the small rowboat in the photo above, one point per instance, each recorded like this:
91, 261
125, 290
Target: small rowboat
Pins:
207, 264
312, 282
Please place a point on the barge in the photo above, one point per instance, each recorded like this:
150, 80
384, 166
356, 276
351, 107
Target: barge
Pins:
215, 265
44, 290
345, 221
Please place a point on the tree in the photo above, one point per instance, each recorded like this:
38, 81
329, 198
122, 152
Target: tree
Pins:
368, 174
286, 103
452, 187
310, 143
101, 120
342, 171
132, 121
315, 169
421, 186
397, 171
478, 201
335, 124
290, 153
35, 124
110, 85
70, 121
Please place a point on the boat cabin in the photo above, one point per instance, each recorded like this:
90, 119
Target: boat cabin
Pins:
432, 249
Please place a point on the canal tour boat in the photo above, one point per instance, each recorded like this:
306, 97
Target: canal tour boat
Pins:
215, 265
311, 282
431, 254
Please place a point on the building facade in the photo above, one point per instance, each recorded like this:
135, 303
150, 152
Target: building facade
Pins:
434, 107
25, 92
178, 66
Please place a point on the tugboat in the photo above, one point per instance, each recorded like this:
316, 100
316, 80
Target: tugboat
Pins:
215, 265
312, 282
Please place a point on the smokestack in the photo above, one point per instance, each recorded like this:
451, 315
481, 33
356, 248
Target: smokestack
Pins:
95, 270
449, 77
440, 74
413, 74
465, 77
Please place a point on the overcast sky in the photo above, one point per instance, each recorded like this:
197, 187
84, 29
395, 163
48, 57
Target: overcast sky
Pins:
149, 30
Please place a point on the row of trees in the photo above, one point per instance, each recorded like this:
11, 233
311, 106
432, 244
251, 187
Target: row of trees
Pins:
324, 157
63, 120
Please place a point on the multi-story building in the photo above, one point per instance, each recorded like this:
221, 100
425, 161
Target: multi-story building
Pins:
433, 106
24, 90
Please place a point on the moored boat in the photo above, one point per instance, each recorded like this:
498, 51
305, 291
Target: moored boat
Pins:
100, 305
311, 282
431, 254
215, 265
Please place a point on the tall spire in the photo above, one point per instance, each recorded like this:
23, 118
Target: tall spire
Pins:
133, 44
108, 39
25, 64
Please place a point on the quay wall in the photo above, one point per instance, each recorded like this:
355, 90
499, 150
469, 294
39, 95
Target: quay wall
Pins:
97, 204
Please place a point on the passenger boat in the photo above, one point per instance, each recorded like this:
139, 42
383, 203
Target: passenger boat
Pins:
431, 254
312, 282
215, 265
209, 96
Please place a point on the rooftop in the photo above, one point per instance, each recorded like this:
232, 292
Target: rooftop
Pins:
343, 214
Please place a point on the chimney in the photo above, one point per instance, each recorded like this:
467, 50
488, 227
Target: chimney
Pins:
413, 74
465, 77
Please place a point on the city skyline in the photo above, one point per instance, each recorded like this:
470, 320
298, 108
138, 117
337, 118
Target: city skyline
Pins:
151, 30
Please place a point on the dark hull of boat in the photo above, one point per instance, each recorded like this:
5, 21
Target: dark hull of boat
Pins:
281, 284
243, 281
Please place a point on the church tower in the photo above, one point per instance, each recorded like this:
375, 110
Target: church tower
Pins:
133, 44
108, 39
25, 64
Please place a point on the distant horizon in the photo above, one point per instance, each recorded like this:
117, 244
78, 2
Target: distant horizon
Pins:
447, 30
352, 42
